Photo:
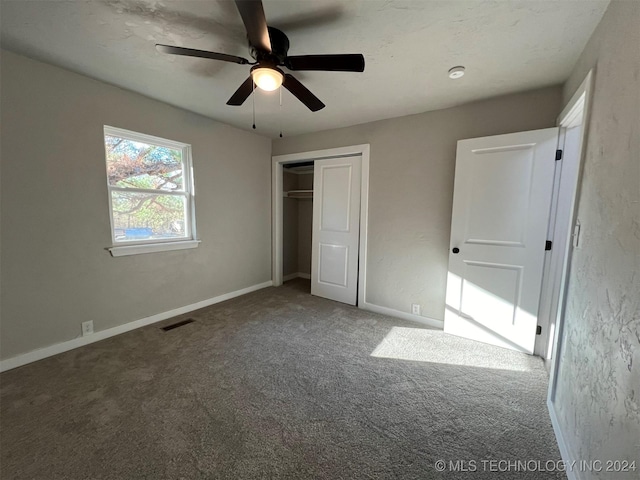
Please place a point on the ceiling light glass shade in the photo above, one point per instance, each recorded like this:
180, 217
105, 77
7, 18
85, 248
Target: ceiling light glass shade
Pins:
267, 79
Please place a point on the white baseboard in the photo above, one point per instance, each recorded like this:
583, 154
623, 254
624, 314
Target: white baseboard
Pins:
291, 276
429, 322
565, 452
39, 354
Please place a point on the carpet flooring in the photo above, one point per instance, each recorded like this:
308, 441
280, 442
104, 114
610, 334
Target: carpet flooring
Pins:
278, 384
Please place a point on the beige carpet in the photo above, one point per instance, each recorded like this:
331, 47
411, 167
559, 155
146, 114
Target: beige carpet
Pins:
276, 384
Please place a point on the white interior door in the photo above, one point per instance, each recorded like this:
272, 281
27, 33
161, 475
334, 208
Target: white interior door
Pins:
501, 206
336, 228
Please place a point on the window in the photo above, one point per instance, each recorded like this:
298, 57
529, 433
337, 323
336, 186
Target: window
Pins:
150, 193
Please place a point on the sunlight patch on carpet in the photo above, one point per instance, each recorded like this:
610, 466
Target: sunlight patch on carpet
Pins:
421, 345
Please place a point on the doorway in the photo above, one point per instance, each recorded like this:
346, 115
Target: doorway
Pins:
573, 122
281, 178
297, 221
564, 228
487, 289
501, 209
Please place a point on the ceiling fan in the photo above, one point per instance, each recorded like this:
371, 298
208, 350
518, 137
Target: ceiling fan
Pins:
269, 46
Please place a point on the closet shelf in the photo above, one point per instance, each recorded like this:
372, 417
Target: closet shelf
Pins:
299, 194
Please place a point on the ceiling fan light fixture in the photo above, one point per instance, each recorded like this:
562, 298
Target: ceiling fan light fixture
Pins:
267, 79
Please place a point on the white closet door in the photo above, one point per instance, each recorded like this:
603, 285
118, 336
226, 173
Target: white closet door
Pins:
336, 228
501, 207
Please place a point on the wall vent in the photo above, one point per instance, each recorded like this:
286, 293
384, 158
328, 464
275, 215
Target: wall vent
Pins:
178, 324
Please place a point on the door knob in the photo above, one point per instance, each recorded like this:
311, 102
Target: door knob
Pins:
455, 250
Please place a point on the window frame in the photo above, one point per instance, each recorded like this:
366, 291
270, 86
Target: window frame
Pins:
161, 244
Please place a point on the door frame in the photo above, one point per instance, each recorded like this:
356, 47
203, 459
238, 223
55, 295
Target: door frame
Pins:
575, 113
277, 161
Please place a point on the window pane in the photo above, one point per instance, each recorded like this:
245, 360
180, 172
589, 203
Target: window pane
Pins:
148, 216
141, 165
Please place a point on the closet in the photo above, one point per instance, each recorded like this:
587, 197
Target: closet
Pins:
297, 220
320, 202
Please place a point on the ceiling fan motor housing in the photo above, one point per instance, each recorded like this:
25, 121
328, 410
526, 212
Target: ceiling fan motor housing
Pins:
279, 49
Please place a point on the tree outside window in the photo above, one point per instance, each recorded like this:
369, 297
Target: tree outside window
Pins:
149, 181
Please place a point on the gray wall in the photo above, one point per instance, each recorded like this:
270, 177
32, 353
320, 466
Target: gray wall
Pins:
598, 390
411, 188
56, 272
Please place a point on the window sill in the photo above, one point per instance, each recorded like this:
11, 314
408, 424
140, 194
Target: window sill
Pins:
151, 248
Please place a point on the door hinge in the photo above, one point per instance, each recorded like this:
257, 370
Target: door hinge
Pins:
558, 155
539, 330
548, 245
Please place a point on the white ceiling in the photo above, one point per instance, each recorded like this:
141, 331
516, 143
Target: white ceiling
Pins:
409, 46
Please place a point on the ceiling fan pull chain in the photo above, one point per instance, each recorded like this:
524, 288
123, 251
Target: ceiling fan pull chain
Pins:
253, 95
280, 111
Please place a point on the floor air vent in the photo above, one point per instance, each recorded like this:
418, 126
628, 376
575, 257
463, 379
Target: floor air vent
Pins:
178, 324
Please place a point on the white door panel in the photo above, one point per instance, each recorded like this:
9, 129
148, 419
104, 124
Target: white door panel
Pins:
501, 206
336, 229
333, 265
335, 196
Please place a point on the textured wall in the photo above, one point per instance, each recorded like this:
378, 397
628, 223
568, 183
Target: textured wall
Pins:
598, 389
411, 188
56, 272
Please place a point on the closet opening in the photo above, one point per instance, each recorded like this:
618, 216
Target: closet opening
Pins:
297, 223
321, 233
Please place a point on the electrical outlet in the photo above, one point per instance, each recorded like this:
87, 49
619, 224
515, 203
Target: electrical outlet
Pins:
415, 309
87, 328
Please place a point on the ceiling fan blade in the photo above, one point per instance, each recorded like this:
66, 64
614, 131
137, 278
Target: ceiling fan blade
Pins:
242, 93
321, 15
190, 52
330, 63
302, 93
255, 23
